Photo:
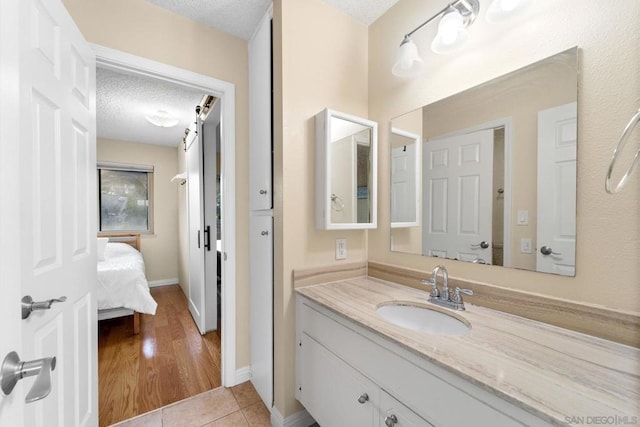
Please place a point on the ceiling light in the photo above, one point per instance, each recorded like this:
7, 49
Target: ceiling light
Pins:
501, 10
162, 118
452, 32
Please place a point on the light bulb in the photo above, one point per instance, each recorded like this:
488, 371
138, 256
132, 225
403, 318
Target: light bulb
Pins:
449, 27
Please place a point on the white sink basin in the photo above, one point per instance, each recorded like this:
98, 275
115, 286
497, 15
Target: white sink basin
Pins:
422, 319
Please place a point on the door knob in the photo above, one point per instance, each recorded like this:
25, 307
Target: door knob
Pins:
546, 250
28, 305
482, 245
263, 192
13, 370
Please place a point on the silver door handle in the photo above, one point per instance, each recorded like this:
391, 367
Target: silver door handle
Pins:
481, 245
13, 370
546, 250
28, 305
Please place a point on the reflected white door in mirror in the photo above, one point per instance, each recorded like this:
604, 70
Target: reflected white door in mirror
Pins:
346, 171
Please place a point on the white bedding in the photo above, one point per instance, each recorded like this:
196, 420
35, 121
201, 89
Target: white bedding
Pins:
121, 280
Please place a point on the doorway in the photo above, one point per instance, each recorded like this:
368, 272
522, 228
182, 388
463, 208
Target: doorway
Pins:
225, 92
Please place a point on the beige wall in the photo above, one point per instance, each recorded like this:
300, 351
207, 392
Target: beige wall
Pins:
320, 61
159, 250
141, 28
183, 225
608, 34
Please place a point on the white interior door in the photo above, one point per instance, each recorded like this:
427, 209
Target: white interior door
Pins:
404, 184
48, 221
557, 150
196, 294
457, 187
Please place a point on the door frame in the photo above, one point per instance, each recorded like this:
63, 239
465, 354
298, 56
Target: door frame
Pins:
507, 123
131, 64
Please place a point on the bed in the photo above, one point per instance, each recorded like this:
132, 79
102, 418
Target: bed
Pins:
123, 289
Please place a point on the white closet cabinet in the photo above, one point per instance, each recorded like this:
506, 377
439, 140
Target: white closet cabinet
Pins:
338, 360
260, 212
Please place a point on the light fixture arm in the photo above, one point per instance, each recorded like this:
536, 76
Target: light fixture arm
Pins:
467, 8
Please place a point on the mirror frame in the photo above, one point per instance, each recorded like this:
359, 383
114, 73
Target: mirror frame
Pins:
324, 169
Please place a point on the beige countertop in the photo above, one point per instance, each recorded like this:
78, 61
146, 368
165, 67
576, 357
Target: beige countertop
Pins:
557, 374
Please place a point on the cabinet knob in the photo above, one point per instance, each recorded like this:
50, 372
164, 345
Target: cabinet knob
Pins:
263, 192
390, 420
264, 233
364, 398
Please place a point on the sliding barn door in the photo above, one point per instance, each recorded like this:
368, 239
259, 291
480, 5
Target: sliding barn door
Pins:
196, 294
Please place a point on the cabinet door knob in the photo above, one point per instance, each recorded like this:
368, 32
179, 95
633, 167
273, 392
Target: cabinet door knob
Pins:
390, 420
263, 192
364, 398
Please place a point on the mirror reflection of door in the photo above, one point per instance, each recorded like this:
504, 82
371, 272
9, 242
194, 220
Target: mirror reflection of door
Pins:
458, 187
405, 179
557, 156
350, 171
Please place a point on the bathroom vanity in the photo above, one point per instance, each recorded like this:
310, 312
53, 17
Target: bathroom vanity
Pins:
354, 368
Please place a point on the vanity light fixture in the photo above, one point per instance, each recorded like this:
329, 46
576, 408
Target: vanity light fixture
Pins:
452, 33
501, 10
162, 118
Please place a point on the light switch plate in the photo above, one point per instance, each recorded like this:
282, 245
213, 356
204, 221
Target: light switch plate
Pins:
525, 246
341, 248
523, 217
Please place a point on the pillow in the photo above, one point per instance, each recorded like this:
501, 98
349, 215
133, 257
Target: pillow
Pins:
102, 244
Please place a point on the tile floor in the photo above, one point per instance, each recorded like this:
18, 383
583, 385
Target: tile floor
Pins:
239, 406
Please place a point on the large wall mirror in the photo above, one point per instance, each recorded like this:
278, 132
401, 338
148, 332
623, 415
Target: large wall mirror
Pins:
489, 175
346, 171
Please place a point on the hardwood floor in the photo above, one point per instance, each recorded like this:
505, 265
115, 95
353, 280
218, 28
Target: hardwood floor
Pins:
166, 362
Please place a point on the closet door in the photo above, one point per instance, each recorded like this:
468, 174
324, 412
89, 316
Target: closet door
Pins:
260, 171
195, 204
261, 303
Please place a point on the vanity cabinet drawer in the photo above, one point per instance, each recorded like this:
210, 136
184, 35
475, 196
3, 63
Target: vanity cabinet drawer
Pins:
333, 392
433, 393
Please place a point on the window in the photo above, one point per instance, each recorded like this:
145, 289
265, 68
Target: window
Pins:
126, 198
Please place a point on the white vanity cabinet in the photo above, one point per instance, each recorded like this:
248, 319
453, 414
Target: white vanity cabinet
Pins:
338, 360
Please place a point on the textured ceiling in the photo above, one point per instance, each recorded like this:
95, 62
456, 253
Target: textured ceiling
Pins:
240, 17
123, 100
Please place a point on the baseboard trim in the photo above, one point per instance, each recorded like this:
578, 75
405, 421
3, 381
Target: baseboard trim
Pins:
243, 374
299, 419
163, 282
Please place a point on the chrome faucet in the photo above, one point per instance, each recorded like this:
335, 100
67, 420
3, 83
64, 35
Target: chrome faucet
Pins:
443, 297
